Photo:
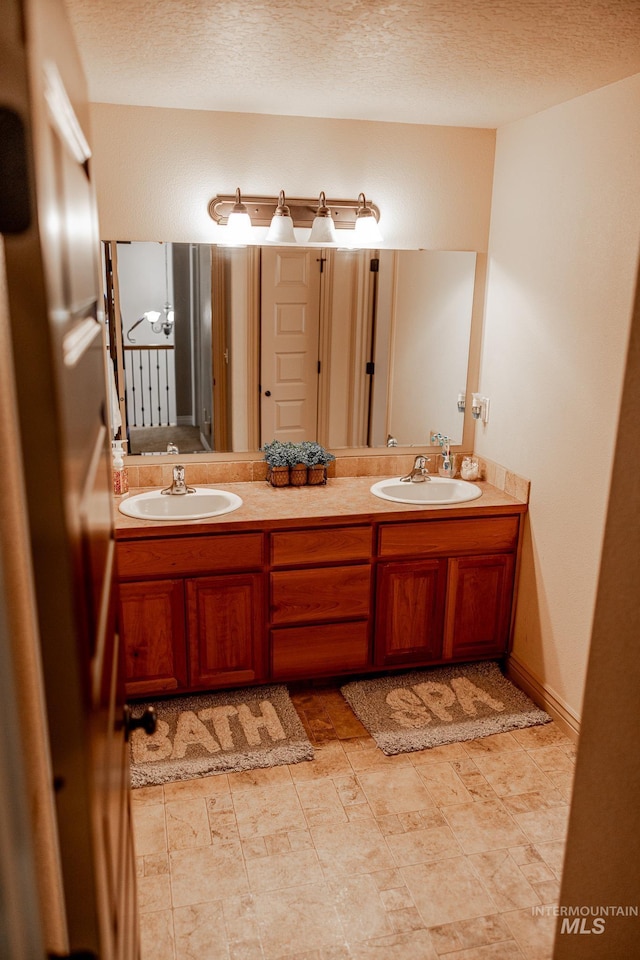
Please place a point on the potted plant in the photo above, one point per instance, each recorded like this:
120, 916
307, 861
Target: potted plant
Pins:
279, 456
298, 471
316, 458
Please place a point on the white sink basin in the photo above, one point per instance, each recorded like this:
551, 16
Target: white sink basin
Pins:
433, 491
203, 503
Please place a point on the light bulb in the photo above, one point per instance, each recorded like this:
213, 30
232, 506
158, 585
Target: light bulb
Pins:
323, 229
238, 224
366, 231
281, 229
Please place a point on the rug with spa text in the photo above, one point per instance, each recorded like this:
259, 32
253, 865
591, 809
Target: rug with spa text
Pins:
427, 708
211, 733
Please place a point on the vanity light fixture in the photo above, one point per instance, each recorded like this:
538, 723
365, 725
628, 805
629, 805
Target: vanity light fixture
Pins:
239, 223
281, 228
323, 229
325, 219
367, 231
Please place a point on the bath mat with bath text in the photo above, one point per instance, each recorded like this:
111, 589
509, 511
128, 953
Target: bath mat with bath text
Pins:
427, 708
211, 733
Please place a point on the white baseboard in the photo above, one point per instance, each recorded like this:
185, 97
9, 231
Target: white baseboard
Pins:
544, 697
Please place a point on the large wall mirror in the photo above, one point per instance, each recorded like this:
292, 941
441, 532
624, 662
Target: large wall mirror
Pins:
219, 349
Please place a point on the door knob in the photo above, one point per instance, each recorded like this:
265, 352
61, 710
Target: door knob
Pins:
148, 721
267, 393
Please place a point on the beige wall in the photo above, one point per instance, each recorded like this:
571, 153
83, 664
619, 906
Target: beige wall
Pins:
157, 169
565, 226
603, 844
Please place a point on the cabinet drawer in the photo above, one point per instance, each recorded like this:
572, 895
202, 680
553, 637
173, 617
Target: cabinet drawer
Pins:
321, 545
452, 537
189, 555
328, 593
308, 651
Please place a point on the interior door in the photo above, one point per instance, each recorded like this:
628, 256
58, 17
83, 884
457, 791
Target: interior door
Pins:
57, 330
290, 311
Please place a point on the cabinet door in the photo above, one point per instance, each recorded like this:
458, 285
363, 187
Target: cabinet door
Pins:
226, 630
153, 631
410, 612
479, 596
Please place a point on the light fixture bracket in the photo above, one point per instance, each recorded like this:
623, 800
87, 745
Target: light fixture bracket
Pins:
303, 210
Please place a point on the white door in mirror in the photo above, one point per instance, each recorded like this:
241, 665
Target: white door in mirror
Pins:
437, 490
203, 503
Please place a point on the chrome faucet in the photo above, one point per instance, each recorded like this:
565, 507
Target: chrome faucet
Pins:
419, 473
178, 488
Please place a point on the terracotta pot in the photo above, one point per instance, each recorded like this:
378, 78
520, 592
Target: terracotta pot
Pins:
278, 476
298, 475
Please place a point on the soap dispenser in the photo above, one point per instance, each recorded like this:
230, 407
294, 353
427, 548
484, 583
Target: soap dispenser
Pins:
120, 472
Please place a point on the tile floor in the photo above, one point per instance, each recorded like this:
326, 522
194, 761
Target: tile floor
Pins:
358, 856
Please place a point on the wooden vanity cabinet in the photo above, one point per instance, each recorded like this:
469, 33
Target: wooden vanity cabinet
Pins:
231, 609
198, 619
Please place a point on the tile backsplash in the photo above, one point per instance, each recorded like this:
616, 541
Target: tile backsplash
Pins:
504, 479
243, 471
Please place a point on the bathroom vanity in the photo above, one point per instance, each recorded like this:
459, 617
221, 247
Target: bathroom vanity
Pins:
304, 583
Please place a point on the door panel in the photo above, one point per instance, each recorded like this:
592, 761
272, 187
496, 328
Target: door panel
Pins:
152, 620
59, 362
479, 606
290, 328
225, 630
410, 608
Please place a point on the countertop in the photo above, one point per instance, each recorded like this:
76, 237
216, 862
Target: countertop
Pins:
340, 500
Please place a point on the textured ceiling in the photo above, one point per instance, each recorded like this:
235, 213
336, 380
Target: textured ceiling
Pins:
454, 62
